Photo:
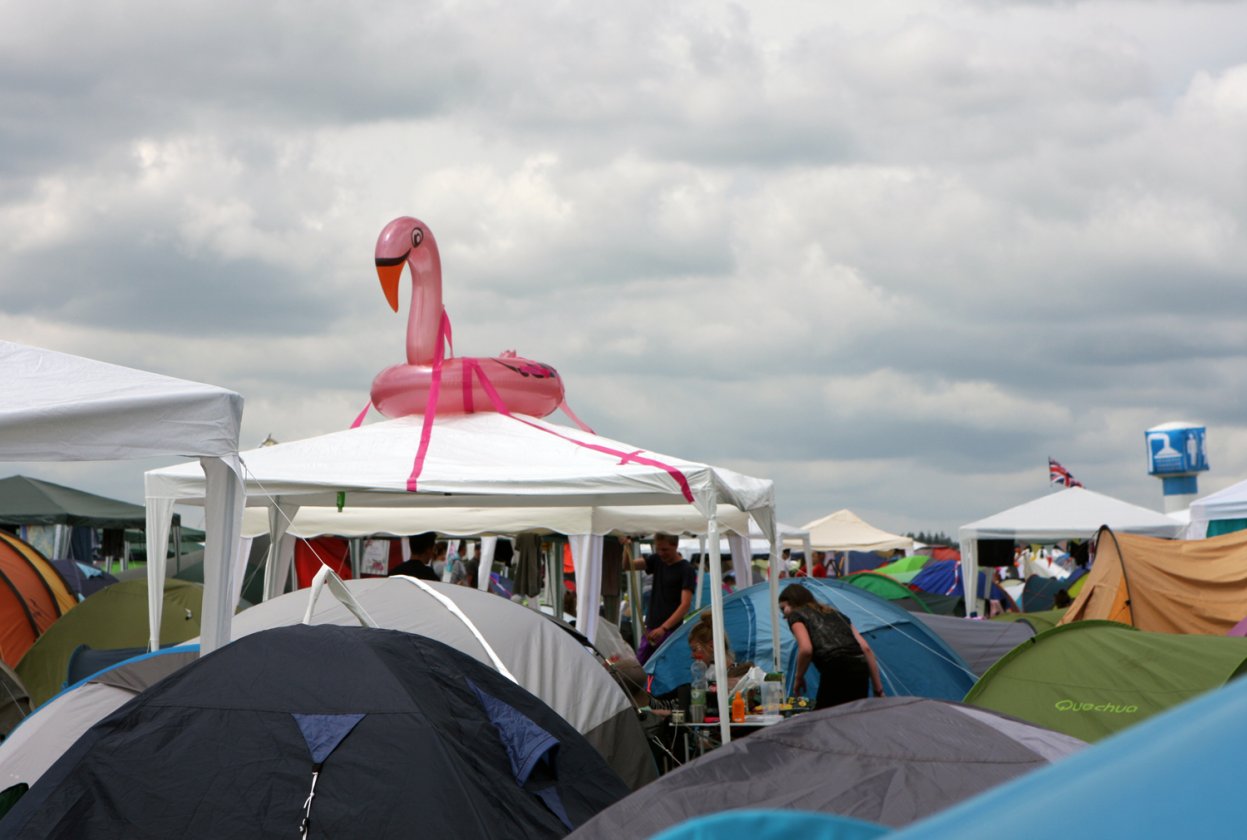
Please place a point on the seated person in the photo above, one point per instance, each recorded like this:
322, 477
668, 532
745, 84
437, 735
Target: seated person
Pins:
701, 645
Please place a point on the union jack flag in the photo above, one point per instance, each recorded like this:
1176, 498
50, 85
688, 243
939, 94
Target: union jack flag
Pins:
1057, 474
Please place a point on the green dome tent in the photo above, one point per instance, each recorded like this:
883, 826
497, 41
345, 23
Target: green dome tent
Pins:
887, 588
1093, 678
914, 600
904, 569
14, 700
114, 617
1041, 621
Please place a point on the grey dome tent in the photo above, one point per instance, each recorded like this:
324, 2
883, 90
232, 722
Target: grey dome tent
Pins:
343, 731
887, 760
45, 735
541, 655
980, 643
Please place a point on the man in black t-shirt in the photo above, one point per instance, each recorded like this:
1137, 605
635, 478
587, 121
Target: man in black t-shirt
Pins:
674, 583
423, 549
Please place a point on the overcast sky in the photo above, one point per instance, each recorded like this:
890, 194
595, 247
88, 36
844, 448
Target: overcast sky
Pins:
890, 255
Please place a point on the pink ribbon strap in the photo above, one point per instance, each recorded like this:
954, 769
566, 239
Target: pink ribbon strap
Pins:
474, 370
567, 409
430, 407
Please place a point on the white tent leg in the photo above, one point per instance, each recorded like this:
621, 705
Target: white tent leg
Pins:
742, 557
701, 573
773, 578
222, 520
718, 633
159, 518
587, 558
483, 568
969, 574
280, 515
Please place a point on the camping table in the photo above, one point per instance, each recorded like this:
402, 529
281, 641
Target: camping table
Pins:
698, 737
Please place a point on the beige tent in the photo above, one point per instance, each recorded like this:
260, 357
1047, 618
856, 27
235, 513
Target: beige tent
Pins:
1166, 586
845, 531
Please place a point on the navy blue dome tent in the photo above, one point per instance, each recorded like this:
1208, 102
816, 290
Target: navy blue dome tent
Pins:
345, 731
913, 660
943, 577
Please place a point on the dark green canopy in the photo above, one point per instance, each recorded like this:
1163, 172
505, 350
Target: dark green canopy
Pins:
30, 501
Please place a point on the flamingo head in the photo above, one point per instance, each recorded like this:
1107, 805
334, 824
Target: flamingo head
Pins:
409, 241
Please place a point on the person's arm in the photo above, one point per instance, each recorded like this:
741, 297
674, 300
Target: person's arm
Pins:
871, 663
805, 655
663, 630
631, 561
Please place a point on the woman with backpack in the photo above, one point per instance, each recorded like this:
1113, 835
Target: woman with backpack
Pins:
825, 636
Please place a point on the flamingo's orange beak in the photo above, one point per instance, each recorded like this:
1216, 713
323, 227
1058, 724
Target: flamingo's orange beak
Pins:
390, 272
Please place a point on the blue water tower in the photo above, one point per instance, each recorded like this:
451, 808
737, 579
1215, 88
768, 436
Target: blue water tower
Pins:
1175, 455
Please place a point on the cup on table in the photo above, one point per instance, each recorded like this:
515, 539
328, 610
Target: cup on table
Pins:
772, 698
677, 716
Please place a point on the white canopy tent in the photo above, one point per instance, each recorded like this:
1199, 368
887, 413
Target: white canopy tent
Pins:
1070, 513
744, 546
844, 531
476, 460
488, 522
1230, 503
496, 521
59, 407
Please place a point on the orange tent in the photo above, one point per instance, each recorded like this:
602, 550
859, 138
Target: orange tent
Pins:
1166, 586
32, 596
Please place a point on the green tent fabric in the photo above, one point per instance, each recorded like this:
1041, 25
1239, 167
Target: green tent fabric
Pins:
890, 589
1217, 527
1093, 678
29, 501
1041, 621
906, 568
114, 617
14, 700
914, 600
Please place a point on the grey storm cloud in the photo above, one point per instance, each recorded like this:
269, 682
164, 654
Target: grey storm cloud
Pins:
892, 256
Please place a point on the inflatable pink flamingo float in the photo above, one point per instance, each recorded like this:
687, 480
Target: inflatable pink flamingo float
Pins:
454, 385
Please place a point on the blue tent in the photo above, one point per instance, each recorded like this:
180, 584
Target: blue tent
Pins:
1177, 774
1039, 593
862, 561
913, 660
83, 578
772, 825
943, 577
705, 594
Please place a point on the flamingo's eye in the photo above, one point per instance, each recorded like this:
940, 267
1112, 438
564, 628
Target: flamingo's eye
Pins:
417, 236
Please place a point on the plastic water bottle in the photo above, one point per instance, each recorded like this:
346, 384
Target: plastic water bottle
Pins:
697, 694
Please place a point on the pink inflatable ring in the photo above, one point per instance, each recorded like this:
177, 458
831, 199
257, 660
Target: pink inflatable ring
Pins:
460, 385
